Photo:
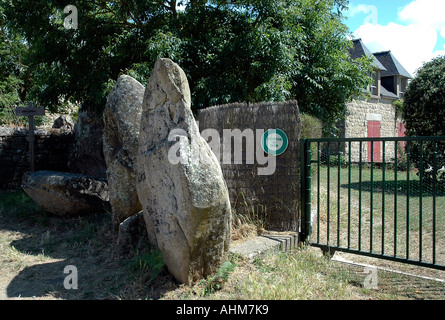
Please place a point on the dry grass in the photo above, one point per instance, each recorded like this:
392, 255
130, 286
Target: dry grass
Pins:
300, 275
35, 249
244, 228
307, 275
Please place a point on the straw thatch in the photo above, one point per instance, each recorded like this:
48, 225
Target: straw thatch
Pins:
273, 199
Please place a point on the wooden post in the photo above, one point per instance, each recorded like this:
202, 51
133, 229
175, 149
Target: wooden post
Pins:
30, 111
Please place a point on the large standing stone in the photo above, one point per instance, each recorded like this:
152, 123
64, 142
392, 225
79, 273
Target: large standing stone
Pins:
66, 194
185, 203
122, 117
87, 156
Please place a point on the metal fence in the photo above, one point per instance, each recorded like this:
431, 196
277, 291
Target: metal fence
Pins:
379, 197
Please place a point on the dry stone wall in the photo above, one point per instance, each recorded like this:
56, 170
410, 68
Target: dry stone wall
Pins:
52, 148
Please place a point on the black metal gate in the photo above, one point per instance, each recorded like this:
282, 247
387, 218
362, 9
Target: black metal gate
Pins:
379, 197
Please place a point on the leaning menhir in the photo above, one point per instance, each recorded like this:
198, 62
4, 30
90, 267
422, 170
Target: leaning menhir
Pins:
180, 184
122, 117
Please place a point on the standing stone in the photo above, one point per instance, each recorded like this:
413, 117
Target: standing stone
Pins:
87, 156
185, 203
122, 117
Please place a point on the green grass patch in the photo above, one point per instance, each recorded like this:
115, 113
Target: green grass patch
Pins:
148, 263
384, 211
18, 204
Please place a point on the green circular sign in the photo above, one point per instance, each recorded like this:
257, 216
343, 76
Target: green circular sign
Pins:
274, 141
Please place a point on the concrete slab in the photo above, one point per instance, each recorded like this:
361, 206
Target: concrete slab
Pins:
266, 243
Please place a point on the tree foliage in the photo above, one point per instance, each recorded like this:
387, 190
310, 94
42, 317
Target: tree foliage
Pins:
424, 101
424, 113
14, 75
231, 51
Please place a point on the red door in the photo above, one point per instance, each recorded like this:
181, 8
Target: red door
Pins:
374, 132
401, 133
401, 130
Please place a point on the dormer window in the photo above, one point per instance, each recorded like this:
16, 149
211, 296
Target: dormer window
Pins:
402, 84
374, 88
390, 78
395, 78
359, 50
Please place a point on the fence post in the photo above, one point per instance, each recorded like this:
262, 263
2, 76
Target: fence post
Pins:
305, 156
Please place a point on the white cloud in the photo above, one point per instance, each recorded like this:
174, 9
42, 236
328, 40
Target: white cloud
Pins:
424, 12
361, 8
414, 43
370, 10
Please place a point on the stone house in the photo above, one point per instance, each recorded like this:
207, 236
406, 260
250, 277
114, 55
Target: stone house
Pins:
375, 115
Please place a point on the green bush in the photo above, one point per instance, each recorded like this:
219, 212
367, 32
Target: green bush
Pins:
334, 161
424, 101
311, 127
402, 164
8, 118
424, 113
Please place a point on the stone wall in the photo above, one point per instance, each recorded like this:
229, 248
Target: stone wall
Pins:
360, 111
274, 198
52, 148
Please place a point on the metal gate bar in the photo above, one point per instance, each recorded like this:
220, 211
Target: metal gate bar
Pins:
361, 218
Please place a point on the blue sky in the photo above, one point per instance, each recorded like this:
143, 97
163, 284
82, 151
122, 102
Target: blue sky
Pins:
414, 30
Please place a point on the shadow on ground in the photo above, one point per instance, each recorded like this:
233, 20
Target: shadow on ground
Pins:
38, 281
39, 246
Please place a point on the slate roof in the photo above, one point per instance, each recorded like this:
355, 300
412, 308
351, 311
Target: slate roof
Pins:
359, 50
393, 67
388, 94
384, 93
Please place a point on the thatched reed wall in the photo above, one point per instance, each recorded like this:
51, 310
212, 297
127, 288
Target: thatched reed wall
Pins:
274, 198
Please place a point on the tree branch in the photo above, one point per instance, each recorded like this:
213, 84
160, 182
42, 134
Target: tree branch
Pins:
132, 15
173, 6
